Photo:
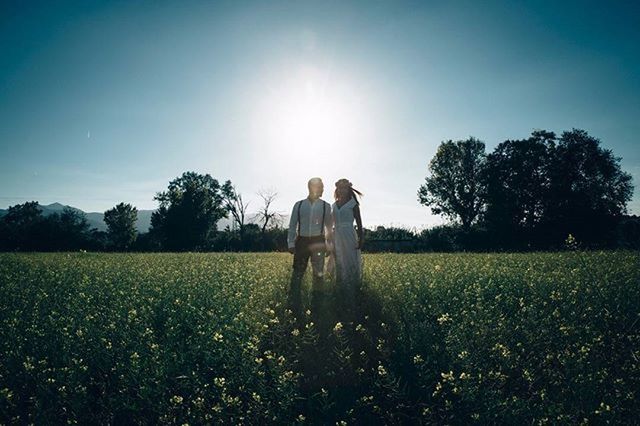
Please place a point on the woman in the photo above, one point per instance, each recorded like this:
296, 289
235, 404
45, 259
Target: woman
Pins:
346, 258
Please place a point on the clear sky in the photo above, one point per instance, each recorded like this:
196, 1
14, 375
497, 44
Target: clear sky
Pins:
102, 102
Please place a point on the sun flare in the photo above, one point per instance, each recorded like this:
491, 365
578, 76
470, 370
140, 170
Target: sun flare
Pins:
310, 117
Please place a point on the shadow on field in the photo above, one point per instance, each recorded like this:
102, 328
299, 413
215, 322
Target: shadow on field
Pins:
338, 353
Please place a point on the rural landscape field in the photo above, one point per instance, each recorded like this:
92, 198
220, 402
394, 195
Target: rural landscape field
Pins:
195, 338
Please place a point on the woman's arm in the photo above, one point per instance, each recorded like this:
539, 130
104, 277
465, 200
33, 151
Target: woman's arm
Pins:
328, 224
356, 214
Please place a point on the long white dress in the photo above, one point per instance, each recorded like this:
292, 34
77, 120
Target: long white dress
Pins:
346, 260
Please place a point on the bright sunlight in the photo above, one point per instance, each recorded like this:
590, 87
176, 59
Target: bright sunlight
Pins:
309, 117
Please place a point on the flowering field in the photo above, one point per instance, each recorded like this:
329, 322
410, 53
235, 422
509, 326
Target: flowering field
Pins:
201, 338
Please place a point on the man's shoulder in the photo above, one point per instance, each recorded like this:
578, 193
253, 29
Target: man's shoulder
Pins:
300, 202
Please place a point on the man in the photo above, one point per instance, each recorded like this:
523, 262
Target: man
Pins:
309, 238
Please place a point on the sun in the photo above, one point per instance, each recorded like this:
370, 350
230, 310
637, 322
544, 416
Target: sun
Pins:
309, 113
312, 116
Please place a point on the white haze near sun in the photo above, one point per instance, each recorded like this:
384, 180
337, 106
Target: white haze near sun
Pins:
310, 124
310, 120
313, 119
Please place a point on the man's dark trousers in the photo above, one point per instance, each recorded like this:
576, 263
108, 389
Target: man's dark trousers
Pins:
307, 248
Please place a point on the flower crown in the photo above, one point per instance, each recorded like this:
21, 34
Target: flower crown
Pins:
343, 182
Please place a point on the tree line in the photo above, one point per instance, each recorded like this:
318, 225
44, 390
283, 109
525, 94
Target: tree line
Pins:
527, 194
530, 194
186, 220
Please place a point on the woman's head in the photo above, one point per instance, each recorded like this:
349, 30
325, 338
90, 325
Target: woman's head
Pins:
345, 191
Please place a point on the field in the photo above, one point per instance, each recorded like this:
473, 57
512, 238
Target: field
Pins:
203, 338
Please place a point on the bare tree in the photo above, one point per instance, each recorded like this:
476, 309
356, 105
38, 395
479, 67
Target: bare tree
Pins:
235, 205
266, 215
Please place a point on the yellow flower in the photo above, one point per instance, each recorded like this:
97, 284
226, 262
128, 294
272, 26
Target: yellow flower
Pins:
444, 318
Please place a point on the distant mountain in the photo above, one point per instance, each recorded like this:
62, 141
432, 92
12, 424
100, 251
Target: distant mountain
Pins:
56, 207
96, 219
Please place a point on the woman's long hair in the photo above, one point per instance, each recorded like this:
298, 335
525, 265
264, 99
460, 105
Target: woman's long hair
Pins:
344, 183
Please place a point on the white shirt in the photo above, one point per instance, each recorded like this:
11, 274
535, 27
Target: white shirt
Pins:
310, 220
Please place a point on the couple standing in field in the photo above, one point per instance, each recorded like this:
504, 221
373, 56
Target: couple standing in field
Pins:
317, 230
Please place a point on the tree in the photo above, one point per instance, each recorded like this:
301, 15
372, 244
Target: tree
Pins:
121, 225
22, 215
454, 187
28, 229
67, 230
235, 205
23, 226
265, 215
589, 191
189, 210
517, 183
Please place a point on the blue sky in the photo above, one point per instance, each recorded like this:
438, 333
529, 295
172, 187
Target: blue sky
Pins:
102, 102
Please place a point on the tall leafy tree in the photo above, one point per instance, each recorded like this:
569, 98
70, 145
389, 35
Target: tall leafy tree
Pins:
454, 187
517, 186
121, 225
28, 228
189, 210
589, 190
23, 226
67, 230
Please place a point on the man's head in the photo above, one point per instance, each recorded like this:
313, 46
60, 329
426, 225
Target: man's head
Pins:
316, 187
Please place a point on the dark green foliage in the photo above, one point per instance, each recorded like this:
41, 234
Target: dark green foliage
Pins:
454, 187
589, 190
25, 228
121, 222
188, 212
518, 184
530, 194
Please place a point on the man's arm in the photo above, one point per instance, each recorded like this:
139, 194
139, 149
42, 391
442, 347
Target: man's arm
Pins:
293, 228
